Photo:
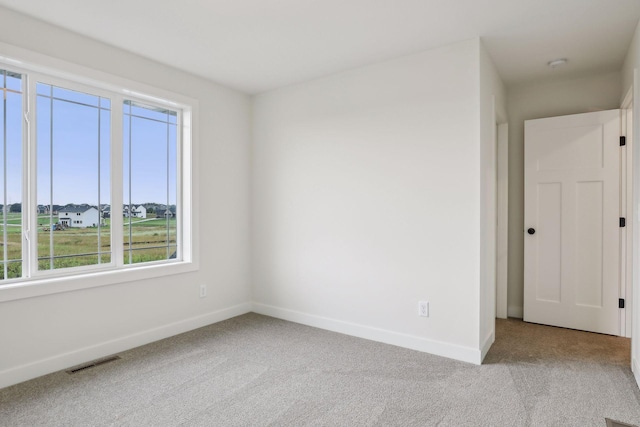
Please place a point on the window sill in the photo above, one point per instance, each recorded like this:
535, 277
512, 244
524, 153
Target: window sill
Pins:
30, 288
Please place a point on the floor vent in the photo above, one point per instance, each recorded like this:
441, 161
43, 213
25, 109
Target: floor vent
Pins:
92, 364
612, 423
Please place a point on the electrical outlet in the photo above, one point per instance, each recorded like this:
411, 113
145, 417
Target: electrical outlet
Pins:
423, 308
203, 291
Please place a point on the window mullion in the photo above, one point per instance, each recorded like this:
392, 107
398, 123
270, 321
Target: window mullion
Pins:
52, 154
127, 167
168, 186
99, 181
117, 144
4, 179
184, 199
29, 206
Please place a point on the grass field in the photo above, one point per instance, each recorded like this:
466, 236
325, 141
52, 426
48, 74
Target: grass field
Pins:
150, 240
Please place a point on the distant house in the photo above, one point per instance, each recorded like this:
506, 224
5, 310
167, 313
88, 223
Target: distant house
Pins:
79, 216
163, 211
139, 212
136, 212
46, 210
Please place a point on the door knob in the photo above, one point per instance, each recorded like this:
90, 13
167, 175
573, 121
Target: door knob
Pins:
531, 231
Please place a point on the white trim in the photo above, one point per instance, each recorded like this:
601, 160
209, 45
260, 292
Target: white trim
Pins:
117, 180
62, 361
488, 342
634, 297
502, 239
438, 348
30, 264
26, 60
29, 216
635, 368
626, 248
627, 99
29, 288
515, 311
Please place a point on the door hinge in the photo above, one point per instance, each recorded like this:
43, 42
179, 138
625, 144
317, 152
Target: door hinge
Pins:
623, 141
623, 222
621, 303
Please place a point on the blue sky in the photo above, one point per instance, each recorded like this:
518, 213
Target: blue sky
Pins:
77, 127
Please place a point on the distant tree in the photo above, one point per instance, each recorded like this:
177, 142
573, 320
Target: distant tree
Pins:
16, 208
150, 210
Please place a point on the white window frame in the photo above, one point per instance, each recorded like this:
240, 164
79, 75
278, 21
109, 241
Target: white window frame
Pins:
71, 76
180, 127
29, 217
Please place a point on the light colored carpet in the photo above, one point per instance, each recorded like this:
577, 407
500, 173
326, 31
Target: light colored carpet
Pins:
256, 370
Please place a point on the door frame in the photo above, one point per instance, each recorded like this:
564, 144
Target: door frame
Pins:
635, 251
502, 231
626, 210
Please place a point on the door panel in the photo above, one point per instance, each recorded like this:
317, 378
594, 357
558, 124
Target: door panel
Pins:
572, 200
589, 240
570, 148
548, 285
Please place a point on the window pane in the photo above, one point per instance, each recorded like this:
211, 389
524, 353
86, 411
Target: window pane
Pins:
73, 190
74, 96
150, 184
14, 82
11, 175
44, 89
152, 113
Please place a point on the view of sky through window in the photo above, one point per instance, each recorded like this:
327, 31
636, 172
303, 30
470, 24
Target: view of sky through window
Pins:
73, 178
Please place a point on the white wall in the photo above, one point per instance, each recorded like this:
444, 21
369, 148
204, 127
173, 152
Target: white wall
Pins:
492, 111
43, 334
629, 79
534, 101
366, 199
631, 62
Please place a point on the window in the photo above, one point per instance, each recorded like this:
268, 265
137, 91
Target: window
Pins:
150, 174
11, 174
72, 169
73, 157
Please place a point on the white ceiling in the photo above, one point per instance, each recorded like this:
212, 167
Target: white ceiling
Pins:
257, 45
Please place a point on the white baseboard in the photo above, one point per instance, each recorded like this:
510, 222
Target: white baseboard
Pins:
439, 348
488, 342
515, 311
62, 361
635, 367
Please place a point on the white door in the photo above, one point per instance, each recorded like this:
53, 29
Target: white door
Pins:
572, 221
